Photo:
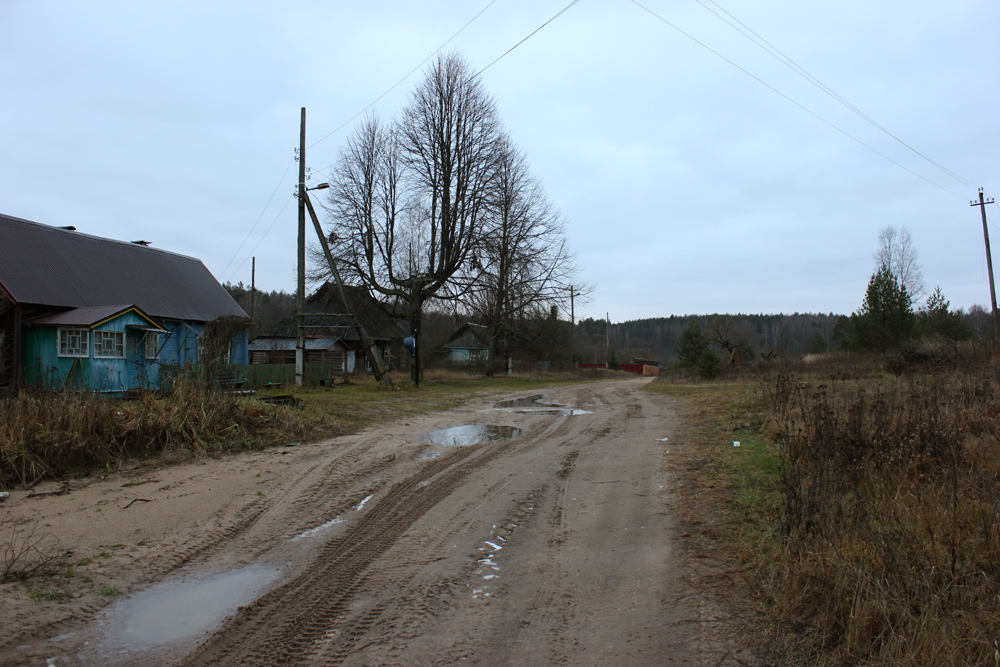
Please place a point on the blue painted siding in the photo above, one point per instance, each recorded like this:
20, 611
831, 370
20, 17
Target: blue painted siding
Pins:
180, 347
44, 367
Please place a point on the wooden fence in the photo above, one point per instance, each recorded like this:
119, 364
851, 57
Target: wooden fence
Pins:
253, 376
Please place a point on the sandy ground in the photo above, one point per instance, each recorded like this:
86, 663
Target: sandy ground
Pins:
557, 546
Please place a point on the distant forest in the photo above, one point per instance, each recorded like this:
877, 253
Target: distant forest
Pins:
756, 335
655, 338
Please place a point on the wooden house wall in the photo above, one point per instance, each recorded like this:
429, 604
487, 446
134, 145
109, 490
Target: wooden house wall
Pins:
44, 366
183, 343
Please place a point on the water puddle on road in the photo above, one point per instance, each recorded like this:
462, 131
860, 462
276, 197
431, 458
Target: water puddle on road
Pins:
533, 405
471, 434
178, 610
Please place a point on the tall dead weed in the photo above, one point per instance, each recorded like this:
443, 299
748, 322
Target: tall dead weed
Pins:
51, 433
890, 545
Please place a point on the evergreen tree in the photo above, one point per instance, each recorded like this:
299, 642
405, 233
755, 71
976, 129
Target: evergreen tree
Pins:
709, 363
817, 345
691, 345
938, 320
885, 319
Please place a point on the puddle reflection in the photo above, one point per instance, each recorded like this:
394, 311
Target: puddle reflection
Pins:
471, 434
176, 610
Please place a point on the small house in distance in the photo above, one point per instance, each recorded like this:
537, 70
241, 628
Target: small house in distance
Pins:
468, 345
330, 335
90, 313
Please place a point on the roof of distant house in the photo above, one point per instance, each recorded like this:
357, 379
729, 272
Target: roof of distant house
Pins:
52, 266
326, 315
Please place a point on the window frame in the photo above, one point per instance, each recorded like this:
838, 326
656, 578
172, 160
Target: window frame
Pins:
83, 351
152, 340
119, 347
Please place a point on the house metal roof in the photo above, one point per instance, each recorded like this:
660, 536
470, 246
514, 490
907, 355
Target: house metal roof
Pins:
325, 315
87, 317
50, 266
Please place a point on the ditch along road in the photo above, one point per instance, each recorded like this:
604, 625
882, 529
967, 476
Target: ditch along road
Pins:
555, 546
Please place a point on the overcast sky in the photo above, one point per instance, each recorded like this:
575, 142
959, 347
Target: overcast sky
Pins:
688, 186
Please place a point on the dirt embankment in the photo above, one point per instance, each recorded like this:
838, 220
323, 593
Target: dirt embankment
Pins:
556, 546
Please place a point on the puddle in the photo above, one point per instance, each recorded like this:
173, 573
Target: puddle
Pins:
471, 434
521, 402
176, 610
322, 528
533, 405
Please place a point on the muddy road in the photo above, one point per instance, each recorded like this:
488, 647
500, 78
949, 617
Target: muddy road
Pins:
542, 535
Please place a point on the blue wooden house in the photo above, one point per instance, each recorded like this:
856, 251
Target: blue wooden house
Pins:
84, 312
469, 345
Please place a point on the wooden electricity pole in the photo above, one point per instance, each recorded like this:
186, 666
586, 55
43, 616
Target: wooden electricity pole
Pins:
989, 260
300, 297
367, 344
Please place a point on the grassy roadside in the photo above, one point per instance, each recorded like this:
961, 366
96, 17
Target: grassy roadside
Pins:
51, 434
726, 498
859, 521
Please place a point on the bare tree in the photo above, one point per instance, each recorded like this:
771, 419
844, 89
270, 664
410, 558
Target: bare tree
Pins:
522, 269
897, 253
407, 201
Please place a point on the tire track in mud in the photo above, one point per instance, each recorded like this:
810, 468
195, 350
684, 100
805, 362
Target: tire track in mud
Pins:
312, 612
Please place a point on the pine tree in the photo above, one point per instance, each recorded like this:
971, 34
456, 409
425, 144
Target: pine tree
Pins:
691, 345
938, 320
885, 319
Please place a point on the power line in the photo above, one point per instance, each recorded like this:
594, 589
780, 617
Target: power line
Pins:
326, 171
282, 179
495, 61
259, 218
407, 76
557, 15
811, 113
801, 71
252, 250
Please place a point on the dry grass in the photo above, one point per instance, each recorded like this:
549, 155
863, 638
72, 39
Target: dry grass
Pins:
891, 517
867, 518
48, 433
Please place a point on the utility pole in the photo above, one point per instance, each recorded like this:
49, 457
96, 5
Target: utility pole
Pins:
367, 344
989, 260
572, 319
607, 340
300, 298
253, 285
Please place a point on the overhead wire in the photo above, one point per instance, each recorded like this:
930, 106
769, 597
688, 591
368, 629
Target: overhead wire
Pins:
801, 71
407, 76
259, 218
539, 28
340, 127
252, 250
495, 61
804, 108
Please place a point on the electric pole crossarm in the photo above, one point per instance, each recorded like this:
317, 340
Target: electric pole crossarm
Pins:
366, 343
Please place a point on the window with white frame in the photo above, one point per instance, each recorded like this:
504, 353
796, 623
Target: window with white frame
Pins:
152, 345
74, 342
109, 344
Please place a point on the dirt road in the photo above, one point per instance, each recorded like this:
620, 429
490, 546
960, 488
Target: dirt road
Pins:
554, 546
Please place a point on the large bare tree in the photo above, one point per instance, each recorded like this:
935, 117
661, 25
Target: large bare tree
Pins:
522, 266
408, 200
897, 253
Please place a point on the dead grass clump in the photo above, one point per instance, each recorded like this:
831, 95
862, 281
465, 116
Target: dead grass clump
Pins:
891, 518
51, 433
23, 551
